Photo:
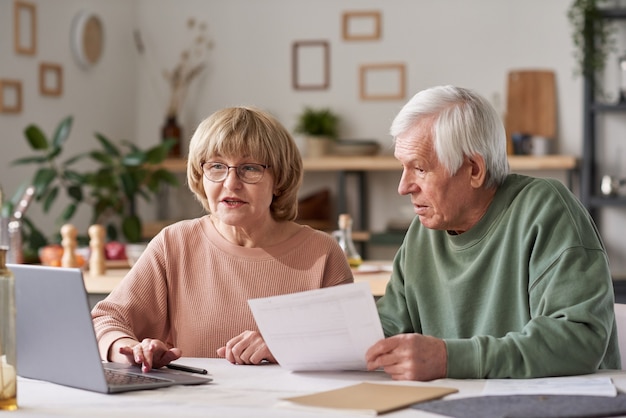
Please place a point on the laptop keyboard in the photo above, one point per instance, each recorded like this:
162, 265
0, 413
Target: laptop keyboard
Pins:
116, 378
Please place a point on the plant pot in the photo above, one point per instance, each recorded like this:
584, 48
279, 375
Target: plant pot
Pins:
317, 146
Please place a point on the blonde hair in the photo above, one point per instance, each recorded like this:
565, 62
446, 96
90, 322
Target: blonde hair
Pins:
252, 133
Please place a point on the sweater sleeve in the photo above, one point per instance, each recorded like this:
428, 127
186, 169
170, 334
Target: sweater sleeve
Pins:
570, 329
137, 307
395, 315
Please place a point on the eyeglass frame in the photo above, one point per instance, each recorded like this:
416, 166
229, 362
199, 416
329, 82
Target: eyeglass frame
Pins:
236, 167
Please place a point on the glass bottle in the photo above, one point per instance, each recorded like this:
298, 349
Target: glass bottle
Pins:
8, 376
344, 237
172, 130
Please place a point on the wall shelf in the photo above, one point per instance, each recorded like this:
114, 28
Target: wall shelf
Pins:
359, 166
389, 163
591, 197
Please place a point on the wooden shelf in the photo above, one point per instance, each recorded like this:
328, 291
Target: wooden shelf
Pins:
360, 165
389, 163
547, 162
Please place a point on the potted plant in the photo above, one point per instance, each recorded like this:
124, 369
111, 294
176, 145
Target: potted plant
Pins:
321, 127
593, 37
123, 173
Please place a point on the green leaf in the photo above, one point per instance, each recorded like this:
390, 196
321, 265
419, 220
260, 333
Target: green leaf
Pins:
75, 192
7, 209
158, 154
30, 160
32, 237
161, 177
165, 176
108, 146
129, 185
36, 138
131, 145
74, 176
54, 152
50, 198
68, 213
111, 232
43, 178
102, 157
103, 178
134, 159
76, 158
131, 228
62, 132
19, 192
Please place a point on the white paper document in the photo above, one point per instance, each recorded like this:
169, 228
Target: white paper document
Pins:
322, 329
575, 385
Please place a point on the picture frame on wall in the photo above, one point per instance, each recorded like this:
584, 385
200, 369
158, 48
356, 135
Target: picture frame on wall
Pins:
386, 81
310, 65
361, 26
25, 27
10, 96
50, 79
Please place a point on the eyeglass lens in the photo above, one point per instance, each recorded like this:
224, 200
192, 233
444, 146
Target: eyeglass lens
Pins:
248, 173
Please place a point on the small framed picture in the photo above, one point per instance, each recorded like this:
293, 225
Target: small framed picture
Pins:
10, 96
310, 65
382, 81
25, 27
50, 79
361, 26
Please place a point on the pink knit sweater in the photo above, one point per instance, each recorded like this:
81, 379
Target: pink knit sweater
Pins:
190, 287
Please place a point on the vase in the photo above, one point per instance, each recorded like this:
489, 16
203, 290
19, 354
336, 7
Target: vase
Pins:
317, 146
172, 130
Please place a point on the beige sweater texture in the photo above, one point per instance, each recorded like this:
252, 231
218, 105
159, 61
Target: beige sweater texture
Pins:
191, 286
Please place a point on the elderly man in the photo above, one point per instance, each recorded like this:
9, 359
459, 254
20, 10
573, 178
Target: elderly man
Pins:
500, 275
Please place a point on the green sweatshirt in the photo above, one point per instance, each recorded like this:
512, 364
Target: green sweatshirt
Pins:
526, 292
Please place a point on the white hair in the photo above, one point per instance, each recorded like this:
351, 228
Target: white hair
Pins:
464, 124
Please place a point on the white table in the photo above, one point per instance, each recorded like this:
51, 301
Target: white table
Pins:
236, 391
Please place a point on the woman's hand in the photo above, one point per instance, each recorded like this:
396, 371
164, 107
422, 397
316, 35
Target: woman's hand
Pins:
246, 348
149, 354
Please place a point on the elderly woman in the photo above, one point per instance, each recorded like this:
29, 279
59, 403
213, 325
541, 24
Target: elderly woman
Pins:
187, 294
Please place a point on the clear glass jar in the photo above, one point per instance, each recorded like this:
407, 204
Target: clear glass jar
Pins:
8, 371
344, 238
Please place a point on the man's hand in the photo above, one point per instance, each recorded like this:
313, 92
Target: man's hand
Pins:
150, 354
246, 348
409, 357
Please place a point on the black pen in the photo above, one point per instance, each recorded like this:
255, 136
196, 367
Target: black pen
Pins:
186, 368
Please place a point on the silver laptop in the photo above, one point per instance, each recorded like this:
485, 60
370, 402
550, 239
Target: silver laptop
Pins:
56, 341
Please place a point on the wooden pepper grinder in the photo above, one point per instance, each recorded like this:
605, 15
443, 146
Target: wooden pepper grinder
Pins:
96, 255
68, 242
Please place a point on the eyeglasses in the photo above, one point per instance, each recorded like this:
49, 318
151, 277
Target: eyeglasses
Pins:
250, 173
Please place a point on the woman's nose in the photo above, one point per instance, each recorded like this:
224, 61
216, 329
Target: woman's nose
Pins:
232, 180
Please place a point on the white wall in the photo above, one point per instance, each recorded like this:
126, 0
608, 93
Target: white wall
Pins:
101, 99
469, 43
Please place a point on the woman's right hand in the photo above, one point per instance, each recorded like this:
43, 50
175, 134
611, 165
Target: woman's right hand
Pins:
149, 353
246, 348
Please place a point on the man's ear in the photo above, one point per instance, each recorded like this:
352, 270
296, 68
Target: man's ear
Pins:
478, 176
